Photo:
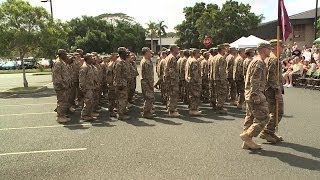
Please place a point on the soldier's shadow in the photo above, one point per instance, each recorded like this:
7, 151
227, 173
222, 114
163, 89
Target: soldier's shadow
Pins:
315, 152
291, 159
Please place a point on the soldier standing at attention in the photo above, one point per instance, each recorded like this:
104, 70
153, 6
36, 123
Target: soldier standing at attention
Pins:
181, 76
133, 77
74, 90
231, 83
193, 78
109, 82
147, 80
171, 74
182, 71
87, 87
213, 97
238, 77
250, 54
61, 77
161, 82
273, 92
159, 68
205, 77
257, 112
219, 76
120, 82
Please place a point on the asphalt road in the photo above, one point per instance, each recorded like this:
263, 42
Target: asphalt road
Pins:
34, 146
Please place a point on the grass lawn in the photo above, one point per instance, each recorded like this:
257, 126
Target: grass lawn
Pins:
20, 71
17, 89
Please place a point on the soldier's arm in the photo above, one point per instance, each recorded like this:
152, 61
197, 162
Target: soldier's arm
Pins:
57, 76
221, 68
82, 78
256, 80
272, 77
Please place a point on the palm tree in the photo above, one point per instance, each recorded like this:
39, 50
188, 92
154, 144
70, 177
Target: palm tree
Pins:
161, 31
152, 30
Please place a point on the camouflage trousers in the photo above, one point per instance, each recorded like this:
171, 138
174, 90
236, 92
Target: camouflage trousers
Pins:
232, 89
122, 99
88, 103
148, 96
257, 116
96, 97
213, 96
164, 92
222, 93
194, 96
132, 84
112, 98
240, 91
62, 102
183, 91
173, 97
270, 95
74, 91
205, 89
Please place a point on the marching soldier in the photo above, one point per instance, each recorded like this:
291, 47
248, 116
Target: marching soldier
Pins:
231, 84
171, 74
273, 94
249, 54
205, 77
61, 77
238, 77
213, 98
110, 86
120, 82
87, 87
257, 112
193, 78
219, 76
147, 80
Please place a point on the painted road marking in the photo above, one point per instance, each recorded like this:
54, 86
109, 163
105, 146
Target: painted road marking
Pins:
17, 105
25, 114
44, 151
54, 126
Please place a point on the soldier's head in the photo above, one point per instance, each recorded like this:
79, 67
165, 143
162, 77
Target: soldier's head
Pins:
123, 53
202, 51
274, 45
62, 54
114, 56
80, 52
163, 54
88, 58
249, 52
174, 50
146, 53
181, 54
206, 55
241, 52
213, 51
196, 53
264, 50
222, 49
227, 46
132, 57
233, 51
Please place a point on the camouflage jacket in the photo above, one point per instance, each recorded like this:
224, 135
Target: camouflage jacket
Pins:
76, 65
121, 73
246, 63
255, 79
218, 68
86, 77
61, 75
171, 71
230, 59
273, 77
238, 69
147, 74
110, 73
193, 72
204, 69
182, 67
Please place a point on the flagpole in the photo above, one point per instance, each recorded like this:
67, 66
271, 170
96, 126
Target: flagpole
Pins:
278, 64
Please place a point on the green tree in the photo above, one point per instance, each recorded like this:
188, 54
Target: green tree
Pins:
21, 27
226, 24
161, 31
152, 32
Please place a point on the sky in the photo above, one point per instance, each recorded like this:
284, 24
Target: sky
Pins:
171, 11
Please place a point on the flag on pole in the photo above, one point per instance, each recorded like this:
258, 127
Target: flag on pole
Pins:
284, 21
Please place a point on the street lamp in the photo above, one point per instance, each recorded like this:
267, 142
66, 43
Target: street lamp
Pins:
44, 1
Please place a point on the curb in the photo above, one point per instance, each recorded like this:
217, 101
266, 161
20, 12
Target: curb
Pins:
8, 93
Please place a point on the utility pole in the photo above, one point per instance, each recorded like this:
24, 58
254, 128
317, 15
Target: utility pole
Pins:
316, 21
51, 9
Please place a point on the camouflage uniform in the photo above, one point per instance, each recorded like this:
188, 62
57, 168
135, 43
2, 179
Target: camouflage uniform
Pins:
205, 79
120, 83
111, 88
171, 74
182, 84
230, 59
257, 112
61, 77
273, 90
219, 76
87, 86
193, 78
161, 75
246, 63
239, 79
74, 90
213, 97
98, 85
132, 81
147, 80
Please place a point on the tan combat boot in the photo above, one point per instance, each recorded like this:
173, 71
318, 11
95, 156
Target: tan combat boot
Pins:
63, 119
277, 137
268, 137
174, 114
248, 143
195, 113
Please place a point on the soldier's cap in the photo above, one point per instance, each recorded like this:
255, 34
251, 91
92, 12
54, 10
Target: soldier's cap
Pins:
233, 49
62, 51
241, 50
226, 44
264, 45
221, 46
195, 50
163, 49
76, 53
88, 55
249, 50
94, 53
203, 50
114, 54
122, 50
274, 42
79, 50
172, 46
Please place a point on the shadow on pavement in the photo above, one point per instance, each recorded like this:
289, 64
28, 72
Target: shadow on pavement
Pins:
315, 152
46, 93
292, 160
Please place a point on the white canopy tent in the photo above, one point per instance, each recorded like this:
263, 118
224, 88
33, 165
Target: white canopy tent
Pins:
247, 42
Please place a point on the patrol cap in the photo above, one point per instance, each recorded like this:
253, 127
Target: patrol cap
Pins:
163, 49
114, 54
94, 53
62, 51
122, 50
186, 52
203, 50
221, 46
79, 51
241, 50
249, 50
274, 42
172, 46
263, 45
87, 56
226, 44
195, 50
233, 49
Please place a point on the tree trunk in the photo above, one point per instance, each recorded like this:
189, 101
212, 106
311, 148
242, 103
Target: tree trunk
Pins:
25, 82
152, 43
